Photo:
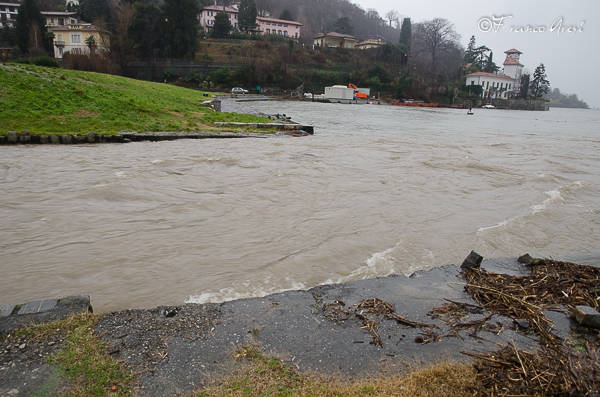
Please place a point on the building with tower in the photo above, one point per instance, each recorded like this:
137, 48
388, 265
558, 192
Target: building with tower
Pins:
505, 84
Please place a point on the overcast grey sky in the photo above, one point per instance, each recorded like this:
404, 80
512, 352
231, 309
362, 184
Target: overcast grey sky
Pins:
572, 59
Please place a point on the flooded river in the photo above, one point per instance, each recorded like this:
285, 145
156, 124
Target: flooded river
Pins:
377, 190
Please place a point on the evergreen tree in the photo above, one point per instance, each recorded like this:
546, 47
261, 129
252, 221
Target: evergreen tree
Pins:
143, 32
286, 15
222, 26
524, 88
343, 25
247, 15
540, 85
31, 29
8, 37
490, 66
405, 39
93, 10
470, 52
179, 28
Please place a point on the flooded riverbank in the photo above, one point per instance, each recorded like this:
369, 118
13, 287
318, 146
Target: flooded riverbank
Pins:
378, 190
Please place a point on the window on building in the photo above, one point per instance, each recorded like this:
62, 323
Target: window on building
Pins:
296, 35
268, 31
76, 38
285, 33
472, 82
488, 85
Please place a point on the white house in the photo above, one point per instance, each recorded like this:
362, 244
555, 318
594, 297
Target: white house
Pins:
208, 14
8, 14
9, 11
500, 85
59, 18
279, 27
494, 85
265, 25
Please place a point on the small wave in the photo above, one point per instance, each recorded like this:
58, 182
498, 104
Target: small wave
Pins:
231, 293
553, 196
496, 226
383, 264
228, 161
556, 196
488, 168
121, 174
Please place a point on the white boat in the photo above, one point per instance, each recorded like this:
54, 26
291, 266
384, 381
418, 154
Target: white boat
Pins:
488, 107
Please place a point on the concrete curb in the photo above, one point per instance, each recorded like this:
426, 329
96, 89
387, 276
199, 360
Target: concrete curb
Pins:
14, 316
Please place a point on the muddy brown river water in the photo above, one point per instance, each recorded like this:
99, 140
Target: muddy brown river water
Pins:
377, 190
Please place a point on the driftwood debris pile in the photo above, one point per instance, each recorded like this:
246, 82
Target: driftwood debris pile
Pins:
559, 367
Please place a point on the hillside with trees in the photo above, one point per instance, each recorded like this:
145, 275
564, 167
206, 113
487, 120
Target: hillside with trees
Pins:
559, 99
321, 16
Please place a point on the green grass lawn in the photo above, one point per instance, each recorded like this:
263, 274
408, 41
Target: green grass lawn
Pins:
59, 101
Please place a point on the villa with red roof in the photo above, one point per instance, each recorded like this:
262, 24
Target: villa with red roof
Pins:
265, 25
500, 85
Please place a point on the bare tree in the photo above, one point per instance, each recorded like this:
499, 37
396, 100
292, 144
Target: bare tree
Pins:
436, 37
372, 13
392, 16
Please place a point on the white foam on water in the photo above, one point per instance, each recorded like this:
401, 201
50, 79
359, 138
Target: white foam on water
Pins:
121, 174
243, 292
157, 161
379, 264
553, 197
496, 226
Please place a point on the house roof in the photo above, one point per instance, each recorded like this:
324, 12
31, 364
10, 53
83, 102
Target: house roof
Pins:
371, 42
220, 8
79, 27
513, 51
337, 35
494, 75
512, 61
267, 19
58, 13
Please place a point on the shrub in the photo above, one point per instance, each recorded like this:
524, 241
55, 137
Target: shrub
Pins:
39, 61
45, 61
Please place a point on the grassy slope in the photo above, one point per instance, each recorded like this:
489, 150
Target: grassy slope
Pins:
53, 101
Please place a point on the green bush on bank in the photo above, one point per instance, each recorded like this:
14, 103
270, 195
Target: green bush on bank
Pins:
39, 61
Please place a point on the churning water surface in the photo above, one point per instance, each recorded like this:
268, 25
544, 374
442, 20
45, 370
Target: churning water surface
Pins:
377, 190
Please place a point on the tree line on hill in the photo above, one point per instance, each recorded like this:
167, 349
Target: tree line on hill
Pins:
420, 60
562, 100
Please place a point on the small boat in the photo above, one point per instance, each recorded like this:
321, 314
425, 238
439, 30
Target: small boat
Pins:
488, 107
470, 113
